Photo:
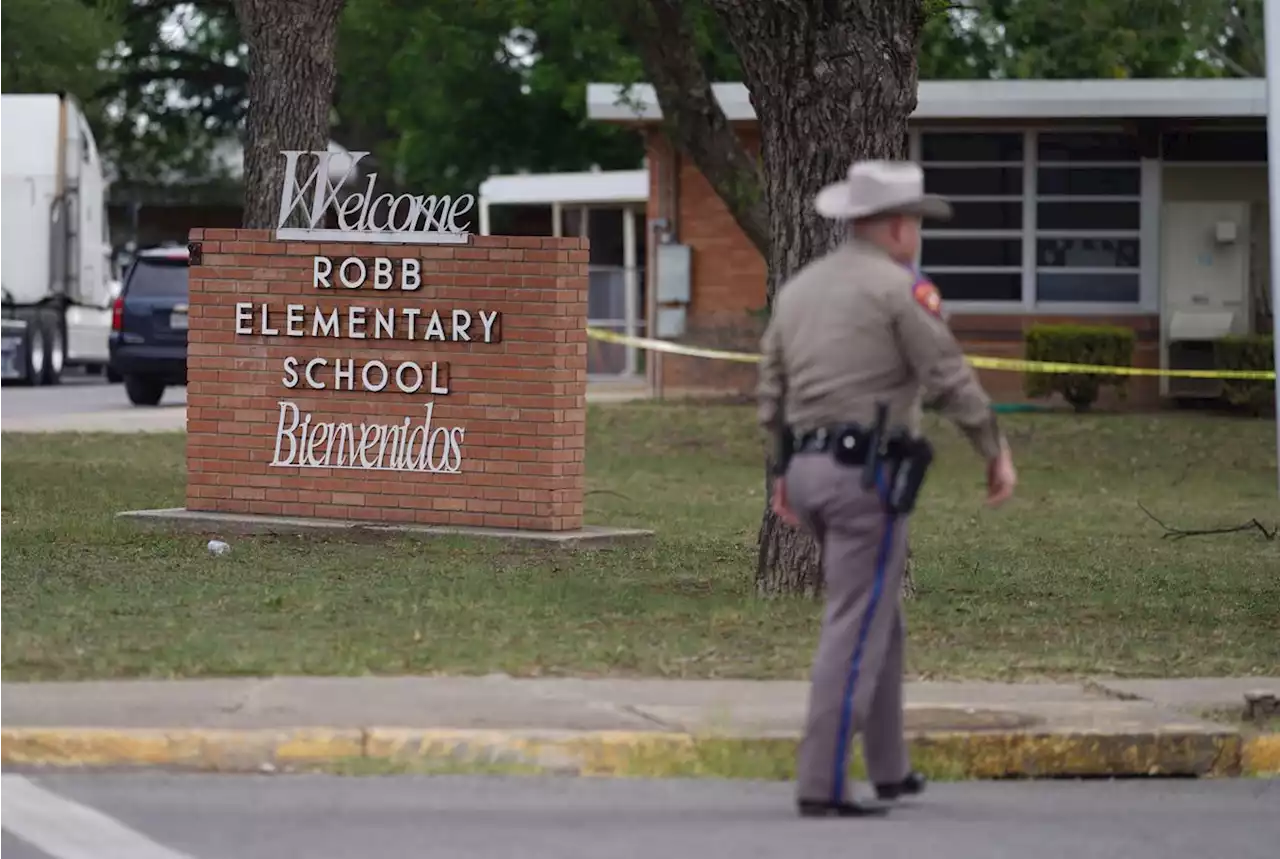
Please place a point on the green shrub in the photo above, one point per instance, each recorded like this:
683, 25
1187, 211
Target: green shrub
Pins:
1104, 345
1255, 352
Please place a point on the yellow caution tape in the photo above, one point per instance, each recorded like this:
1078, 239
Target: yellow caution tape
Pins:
1010, 364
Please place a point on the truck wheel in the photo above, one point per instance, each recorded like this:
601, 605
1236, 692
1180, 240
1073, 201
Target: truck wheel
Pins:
143, 390
35, 353
55, 357
113, 375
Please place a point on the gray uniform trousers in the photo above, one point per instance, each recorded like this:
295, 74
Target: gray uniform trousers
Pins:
856, 683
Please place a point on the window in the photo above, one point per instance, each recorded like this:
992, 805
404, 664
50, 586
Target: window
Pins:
988, 215
1048, 218
1088, 216
1078, 146
971, 146
974, 181
973, 253
1086, 286
1087, 253
158, 277
959, 285
1093, 214
1099, 181
977, 256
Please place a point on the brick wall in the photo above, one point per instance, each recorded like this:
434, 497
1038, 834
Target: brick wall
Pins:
728, 277
512, 422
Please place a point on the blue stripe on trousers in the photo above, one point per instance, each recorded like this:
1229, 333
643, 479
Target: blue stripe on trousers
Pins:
851, 682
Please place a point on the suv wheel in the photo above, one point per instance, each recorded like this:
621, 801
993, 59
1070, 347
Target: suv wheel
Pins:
143, 390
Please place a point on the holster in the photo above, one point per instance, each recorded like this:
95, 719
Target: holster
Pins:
907, 462
901, 459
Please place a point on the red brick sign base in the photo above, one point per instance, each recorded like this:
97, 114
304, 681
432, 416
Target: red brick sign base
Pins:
428, 384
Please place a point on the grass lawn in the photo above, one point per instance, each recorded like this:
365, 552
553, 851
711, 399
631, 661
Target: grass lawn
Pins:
1071, 578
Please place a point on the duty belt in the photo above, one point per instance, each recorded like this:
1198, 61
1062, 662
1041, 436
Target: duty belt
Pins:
851, 440
902, 461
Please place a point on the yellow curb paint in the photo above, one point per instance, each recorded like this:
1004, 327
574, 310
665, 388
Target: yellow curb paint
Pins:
1261, 755
637, 753
197, 748
957, 755
998, 755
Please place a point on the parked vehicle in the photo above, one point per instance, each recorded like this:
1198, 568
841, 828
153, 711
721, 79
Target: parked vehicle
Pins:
149, 324
55, 258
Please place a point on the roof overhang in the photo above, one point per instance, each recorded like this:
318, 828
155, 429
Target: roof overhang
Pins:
1128, 98
606, 186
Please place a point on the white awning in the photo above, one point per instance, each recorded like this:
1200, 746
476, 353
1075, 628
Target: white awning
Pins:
607, 186
1129, 98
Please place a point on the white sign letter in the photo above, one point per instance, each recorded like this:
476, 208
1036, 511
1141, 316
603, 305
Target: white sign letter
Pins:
321, 268
282, 433
487, 320
410, 274
291, 372
342, 272
364, 376
409, 389
461, 322
382, 273
311, 381
294, 320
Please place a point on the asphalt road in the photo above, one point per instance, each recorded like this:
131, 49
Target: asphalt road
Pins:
87, 404
170, 816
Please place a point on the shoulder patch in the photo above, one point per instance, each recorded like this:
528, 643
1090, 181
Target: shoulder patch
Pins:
927, 296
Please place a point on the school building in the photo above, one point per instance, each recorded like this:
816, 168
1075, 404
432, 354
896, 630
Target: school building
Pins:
1134, 202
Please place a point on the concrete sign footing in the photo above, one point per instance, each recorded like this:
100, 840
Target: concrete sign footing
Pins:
180, 518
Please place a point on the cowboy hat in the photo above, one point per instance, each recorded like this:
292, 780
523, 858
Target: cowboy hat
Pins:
881, 188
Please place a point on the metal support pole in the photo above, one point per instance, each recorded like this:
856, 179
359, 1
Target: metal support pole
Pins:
1271, 14
630, 290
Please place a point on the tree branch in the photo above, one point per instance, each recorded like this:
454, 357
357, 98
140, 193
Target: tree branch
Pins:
1179, 533
691, 115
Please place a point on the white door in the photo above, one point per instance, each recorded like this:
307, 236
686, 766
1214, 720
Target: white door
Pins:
1201, 272
1204, 284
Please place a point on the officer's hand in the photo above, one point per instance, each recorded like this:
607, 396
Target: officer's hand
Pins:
779, 505
1001, 477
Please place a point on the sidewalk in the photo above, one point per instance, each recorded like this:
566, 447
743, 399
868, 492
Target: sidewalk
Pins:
621, 727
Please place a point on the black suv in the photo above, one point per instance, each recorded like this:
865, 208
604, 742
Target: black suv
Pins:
148, 341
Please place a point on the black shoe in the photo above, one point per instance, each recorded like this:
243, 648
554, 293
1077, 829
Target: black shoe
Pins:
819, 808
909, 786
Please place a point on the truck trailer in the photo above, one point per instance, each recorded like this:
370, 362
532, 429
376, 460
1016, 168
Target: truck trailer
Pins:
58, 283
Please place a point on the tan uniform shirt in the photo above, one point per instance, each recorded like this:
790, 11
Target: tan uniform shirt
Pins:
851, 329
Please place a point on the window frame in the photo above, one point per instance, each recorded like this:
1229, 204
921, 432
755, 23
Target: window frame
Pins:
1147, 234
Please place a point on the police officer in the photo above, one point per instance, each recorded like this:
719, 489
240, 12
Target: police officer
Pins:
856, 334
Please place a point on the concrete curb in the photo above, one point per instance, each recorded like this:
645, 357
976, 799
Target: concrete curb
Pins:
981, 755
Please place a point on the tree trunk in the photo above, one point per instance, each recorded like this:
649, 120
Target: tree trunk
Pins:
832, 82
291, 76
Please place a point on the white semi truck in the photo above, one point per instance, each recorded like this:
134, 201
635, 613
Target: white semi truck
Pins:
58, 280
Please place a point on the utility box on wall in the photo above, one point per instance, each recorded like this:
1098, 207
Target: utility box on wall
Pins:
673, 289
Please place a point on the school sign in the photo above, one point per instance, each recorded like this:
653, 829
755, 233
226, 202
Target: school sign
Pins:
381, 363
